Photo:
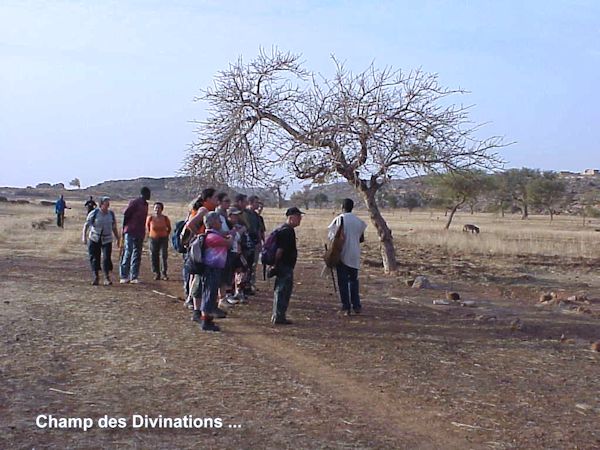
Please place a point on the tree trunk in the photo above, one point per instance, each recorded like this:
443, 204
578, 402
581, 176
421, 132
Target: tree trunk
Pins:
525, 212
551, 214
388, 254
451, 216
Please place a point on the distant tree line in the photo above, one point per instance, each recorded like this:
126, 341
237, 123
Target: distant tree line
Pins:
517, 191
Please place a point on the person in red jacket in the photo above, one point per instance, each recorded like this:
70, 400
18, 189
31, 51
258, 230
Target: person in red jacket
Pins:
158, 227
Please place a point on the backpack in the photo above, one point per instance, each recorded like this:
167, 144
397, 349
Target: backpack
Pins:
97, 210
177, 237
267, 254
195, 255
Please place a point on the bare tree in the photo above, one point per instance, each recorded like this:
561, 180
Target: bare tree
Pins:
457, 188
271, 115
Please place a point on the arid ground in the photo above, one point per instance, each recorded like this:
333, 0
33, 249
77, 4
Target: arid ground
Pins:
505, 372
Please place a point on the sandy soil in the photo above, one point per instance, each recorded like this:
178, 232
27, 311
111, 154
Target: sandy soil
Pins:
507, 373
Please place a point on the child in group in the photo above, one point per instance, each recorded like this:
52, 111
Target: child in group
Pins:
239, 261
158, 227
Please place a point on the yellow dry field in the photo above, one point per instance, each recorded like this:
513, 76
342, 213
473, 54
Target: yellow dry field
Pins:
495, 370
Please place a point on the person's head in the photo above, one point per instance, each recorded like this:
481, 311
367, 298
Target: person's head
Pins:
207, 195
241, 201
234, 215
145, 193
91, 197
253, 201
260, 208
347, 205
294, 216
212, 221
104, 203
158, 208
62, 197
223, 200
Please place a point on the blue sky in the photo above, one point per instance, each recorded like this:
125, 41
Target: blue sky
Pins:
104, 89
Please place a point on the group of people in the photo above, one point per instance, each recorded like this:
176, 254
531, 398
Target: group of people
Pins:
231, 234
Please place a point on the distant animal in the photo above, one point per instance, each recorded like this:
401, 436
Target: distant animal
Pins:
471, 228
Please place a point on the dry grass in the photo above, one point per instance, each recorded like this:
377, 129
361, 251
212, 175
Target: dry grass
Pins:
424, 230
565, 236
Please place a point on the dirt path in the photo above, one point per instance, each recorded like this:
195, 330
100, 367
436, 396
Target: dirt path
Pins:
403, 375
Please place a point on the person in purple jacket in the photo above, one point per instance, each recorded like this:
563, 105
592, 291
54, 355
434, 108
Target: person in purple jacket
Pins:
134, 232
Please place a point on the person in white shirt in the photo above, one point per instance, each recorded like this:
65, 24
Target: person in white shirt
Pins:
353, 230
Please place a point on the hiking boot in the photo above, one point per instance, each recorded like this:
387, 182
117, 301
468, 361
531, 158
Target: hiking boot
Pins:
135, 281
156, 277
224, 305
189, 303
123, 281
196, 316
107, 282
345, 312
219, 313
357, 310
231, 299
209, 325
280, 321
95, 281
165, 277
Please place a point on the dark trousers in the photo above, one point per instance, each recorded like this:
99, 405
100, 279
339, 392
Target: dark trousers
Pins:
210, 280
348, 285
186, 277
95, 250
60, 219
159, 250
284, 282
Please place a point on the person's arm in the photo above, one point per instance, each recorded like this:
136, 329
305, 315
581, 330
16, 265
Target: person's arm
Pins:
84, 232
116, 233
195, 224
168, 225
86, 226
148, 224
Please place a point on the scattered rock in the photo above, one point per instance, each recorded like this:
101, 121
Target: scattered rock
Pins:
486, 318
516, 324
452, 296
547, 297
441, 302
421, 282
468, 303
596, 346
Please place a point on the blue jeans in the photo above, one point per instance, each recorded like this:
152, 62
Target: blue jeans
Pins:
210, 280
284, 282
348, 285
132, 257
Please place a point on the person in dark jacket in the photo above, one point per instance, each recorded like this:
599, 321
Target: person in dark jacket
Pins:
134, 231
285, 261
59, 209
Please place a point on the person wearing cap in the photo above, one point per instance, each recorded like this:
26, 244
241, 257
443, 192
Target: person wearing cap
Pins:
353, 232
102, 224
239, 264
134, 230
283, 269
